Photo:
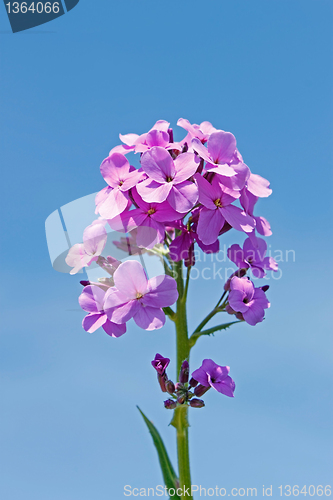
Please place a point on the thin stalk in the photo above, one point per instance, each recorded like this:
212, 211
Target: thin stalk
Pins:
179, 420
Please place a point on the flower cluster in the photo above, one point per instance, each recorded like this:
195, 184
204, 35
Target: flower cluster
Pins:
183, 194
184, 391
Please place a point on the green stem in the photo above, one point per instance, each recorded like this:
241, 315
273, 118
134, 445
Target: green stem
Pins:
179, 420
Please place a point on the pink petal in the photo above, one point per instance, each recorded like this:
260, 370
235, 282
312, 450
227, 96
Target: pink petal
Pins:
254, 314
207, 193
185, 166
130, 279
129, 139
238, 219
162, 292
201, 150
114, 169
149, 318
263, 226
113, 329
115, 204
93, 321
150, 233
183, 197
94, 239
92, 299
158, 164
258, 186
209, 225
221, 146
153, 192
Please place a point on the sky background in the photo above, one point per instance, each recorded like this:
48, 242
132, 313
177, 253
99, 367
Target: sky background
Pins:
69, 427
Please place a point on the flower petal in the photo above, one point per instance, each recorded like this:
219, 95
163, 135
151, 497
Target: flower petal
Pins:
158, 164
221, 146
113, 329
185, 166
209, 225
93, 321
149, 318
154, 192
130, 279
162, 292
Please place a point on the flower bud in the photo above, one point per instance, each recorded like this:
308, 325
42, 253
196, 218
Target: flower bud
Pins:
170, 404
162, 379
193, 382
179, 387
197, 403
85, 283
170, 387
184, 371
239, 316
265, 288
200, 390
160, 364
181, 400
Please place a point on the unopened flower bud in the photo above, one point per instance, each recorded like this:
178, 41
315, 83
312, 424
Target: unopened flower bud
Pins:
265, 288
170, 404
162, 379
193, 382
85, 283
170, 132
229, 309
160, 363
170, 387
181, 400
197, 403
179, 387
239, 316
200, 390
184, 372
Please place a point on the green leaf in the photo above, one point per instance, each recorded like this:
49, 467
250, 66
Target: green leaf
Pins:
194, 337
169, 475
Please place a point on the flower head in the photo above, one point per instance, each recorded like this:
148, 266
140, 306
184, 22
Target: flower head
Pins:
212, 375
83, 254
252, 256
134, 296
244, 298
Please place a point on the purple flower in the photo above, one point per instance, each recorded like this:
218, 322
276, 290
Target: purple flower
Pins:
246, 299
184, 371
220, 152
134, 296
160, 364
83, 254
212, 375
121, 177
168, 179
201, 132
252, 256
92, 300
148, 218
216, 200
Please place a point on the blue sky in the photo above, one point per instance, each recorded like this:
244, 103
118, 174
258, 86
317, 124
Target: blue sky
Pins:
260, 69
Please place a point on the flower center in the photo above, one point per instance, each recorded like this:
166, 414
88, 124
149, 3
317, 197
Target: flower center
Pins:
169, 179
218, 203
139, 295
151, 211
246, 300
121, 183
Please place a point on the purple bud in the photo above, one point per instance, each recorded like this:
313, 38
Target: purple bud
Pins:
184, 371
239, 316
181, 400
193, 382
265, 288
170, 132
197, 403
160, 364
170, 404
229, 309
200, 390
170, 387
85, 283
162, 379
179, 387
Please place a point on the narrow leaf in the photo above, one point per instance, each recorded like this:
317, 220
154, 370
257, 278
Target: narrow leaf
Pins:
194, 337
169, 475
